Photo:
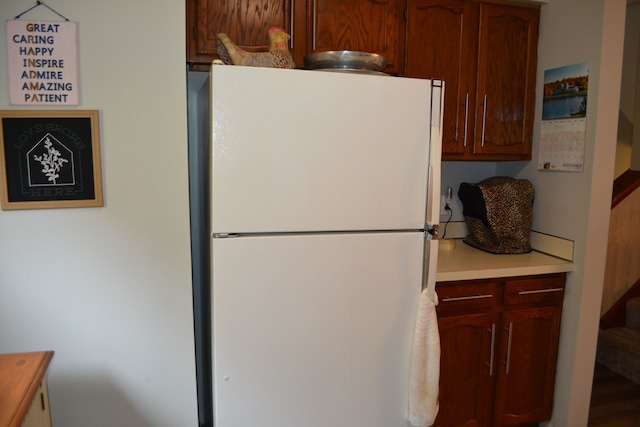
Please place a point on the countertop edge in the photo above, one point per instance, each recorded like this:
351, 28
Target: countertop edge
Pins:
490, 273
464, 262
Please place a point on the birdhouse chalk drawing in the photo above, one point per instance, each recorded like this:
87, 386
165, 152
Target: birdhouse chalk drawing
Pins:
50, 163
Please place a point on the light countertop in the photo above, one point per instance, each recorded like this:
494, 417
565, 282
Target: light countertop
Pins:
467, 263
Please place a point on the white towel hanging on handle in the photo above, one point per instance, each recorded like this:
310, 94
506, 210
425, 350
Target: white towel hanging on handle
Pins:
425, 365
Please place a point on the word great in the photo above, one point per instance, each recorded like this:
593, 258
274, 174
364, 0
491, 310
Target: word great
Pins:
42, 27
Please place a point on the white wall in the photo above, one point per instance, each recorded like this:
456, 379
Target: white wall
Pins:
576, 205
109, 289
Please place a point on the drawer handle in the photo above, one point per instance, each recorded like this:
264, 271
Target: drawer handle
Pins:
479, 296
540, 291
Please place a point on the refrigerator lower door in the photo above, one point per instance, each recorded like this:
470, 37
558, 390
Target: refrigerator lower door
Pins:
314, 330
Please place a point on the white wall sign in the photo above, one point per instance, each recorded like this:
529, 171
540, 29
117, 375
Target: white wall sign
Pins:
43, 62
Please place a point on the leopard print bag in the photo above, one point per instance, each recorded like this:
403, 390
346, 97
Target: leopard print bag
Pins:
498, 214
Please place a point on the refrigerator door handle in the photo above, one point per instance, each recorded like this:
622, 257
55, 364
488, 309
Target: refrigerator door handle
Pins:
429, 268
435, 155
431, 231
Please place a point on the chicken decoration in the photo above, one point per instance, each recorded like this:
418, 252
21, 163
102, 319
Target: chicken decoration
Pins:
278, 55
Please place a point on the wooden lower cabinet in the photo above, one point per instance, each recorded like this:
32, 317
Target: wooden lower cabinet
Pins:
466, 342
24, 395
499, 341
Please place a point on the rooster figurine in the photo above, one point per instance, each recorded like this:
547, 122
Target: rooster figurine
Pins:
278, 55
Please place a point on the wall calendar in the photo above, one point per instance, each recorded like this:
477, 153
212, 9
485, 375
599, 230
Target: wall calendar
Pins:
564, 118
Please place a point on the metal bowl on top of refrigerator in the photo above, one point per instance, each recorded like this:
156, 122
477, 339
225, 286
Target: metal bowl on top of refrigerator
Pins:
346, 60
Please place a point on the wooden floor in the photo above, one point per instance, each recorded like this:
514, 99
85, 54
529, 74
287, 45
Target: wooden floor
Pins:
615, 400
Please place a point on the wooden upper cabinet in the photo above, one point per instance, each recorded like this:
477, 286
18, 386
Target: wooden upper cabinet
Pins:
486, 54
246, 22
484, 50
375, 26
506, 80
314, 26
442, 44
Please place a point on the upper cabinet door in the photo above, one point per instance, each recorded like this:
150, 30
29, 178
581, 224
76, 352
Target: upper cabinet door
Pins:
506, 80
246, 22
442, 44
374, 26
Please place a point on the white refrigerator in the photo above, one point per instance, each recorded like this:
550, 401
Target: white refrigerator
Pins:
324, 201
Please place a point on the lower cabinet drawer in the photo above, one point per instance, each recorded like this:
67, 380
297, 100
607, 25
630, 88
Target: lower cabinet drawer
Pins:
456, 296
546, 289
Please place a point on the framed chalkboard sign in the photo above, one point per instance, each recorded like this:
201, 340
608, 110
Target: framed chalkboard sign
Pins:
50, 159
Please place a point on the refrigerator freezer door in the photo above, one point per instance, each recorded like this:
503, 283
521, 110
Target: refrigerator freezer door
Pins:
314, 331
298, 150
